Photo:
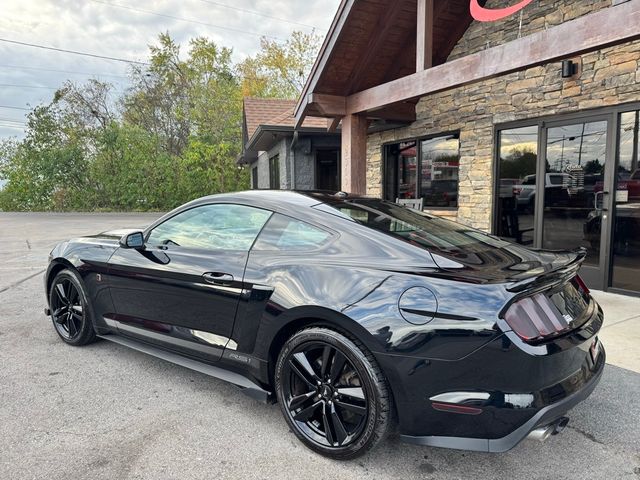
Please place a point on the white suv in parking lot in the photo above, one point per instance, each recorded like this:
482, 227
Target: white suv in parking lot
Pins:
526, 192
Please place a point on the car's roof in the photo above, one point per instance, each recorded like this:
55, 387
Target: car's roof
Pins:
279, 199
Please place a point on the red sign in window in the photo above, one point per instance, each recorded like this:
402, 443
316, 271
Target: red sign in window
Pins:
483, 14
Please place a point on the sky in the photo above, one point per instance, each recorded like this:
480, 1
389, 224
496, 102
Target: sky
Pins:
124, 29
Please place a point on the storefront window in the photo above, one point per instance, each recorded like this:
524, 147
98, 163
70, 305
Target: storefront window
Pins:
626, 223
517, 184
574, 187
425, 169
440, 161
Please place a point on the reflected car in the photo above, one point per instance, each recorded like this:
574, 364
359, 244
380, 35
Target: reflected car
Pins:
357, 316
556, 190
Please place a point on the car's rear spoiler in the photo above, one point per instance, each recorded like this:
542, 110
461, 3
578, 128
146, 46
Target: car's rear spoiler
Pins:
557, 276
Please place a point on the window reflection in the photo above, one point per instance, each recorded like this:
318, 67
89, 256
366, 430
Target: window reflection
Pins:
425, 169
440, 162
517, 184
573, 189
626, 222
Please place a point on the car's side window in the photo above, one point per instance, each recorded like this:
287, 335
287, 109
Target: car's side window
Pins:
288, 234
212, 227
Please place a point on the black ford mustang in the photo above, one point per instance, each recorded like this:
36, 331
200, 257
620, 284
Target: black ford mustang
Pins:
352, 313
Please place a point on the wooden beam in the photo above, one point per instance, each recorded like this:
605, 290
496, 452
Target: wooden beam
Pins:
399, 112
424, 35
354, 154
332, 124
409, 39
329, 105
609, 26
386, 23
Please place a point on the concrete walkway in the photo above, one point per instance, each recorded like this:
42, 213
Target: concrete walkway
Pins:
621, 332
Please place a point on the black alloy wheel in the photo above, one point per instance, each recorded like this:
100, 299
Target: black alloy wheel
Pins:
332, 393
69, 309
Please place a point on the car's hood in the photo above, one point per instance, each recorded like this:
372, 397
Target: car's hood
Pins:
507, 263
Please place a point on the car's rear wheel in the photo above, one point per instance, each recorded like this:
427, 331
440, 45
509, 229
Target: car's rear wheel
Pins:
332, 393
70, 310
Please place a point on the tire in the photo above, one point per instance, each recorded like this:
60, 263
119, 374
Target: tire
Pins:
71, 311
323, 393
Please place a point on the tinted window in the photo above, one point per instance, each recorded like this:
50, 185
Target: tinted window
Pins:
212, 227
517, 162
425, 169
274, 172
287, 234
418, 228
254, 178
440, 160
555, 180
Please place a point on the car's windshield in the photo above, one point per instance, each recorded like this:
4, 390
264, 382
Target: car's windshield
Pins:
420, 229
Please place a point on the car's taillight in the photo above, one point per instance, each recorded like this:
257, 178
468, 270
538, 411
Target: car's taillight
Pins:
536, 317
516, 191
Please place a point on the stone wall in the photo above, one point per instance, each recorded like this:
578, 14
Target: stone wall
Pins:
537, 16
609, 77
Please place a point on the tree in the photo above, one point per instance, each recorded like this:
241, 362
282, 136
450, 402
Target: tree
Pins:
174, 136
279, 70
518, 164
46, 170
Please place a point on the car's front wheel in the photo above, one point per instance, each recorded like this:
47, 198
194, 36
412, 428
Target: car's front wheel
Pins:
332, 393
70, 310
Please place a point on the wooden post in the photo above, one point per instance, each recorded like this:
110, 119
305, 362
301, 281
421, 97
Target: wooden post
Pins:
354, 154
424, 35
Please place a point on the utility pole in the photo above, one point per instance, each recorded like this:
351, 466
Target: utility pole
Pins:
581, 143
634, 155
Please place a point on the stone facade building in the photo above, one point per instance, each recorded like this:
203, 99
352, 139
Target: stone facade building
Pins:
526, 127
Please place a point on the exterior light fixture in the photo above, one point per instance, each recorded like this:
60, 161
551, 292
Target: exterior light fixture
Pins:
569, 68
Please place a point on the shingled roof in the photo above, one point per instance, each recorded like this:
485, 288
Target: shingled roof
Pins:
274, 112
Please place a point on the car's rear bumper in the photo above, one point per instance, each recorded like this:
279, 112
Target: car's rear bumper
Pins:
494, 397
543, 417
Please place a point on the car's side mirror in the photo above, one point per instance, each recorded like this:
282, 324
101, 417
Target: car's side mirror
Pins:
133, 240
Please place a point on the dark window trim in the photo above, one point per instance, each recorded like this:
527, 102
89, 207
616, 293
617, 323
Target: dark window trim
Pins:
418, 141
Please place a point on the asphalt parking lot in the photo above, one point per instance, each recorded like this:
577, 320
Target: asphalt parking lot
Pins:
105, 412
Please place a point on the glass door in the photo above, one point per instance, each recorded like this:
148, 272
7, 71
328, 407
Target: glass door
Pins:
573, 182
625, 243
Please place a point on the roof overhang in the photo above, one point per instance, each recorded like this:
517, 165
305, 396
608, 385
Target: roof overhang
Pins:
266, 136
609, 26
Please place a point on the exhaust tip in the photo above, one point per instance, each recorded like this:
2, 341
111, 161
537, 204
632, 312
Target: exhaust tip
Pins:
560, 425
543, 433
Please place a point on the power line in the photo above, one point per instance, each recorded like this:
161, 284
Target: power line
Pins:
255, 12
11, 120
9, 85
74, 52
182, 19
15, 108
24, 67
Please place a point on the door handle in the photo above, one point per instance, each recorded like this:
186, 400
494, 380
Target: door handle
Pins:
217, 278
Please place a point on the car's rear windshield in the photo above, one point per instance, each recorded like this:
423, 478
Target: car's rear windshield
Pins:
420, 229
